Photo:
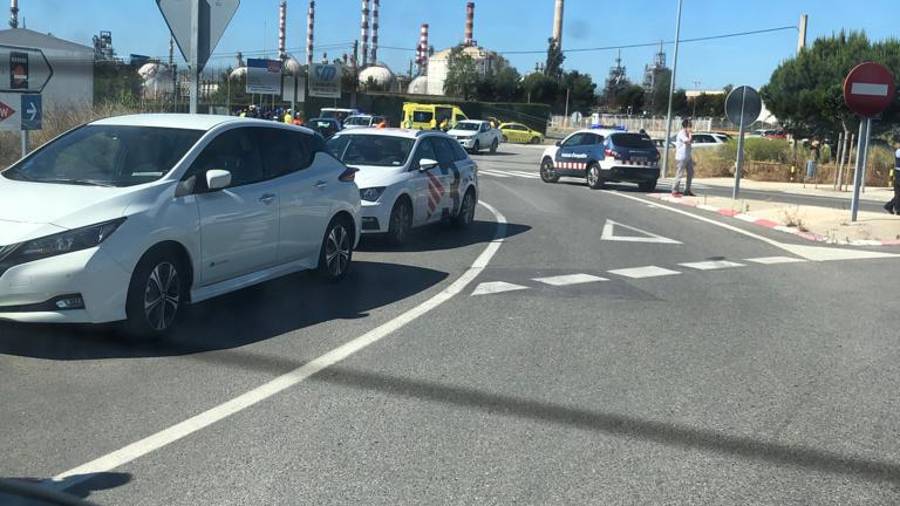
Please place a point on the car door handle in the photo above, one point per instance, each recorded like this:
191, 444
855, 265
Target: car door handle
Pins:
321, 184
267, 198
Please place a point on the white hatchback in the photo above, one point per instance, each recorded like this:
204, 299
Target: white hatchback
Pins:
408, 178
130, 218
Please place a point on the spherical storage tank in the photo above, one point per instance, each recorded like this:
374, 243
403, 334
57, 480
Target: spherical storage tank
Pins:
418, 86
382, 75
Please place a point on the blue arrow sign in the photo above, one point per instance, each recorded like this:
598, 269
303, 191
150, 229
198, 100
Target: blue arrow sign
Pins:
32, 112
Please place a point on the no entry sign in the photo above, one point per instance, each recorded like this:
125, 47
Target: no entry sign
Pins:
869, 89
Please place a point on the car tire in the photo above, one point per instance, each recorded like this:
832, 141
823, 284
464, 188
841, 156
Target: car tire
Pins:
505, 139
476, 147
593, 177
548, 173
494, 146
400, 222
157, 294
336, 254
647, 186
535, 140
466, 214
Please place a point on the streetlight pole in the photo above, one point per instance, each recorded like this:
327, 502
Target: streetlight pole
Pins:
665, 166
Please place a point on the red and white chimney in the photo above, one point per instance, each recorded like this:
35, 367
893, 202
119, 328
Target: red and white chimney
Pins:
282, 29
13, 13
364, 32
469, 39
310, 25
422, 49
375, 8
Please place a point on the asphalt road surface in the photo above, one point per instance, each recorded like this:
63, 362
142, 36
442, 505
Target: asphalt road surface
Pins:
572, 347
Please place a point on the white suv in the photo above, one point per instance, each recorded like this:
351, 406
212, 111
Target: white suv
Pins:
408, 178
131, 218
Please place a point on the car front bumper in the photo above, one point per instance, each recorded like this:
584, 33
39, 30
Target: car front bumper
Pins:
28, 291
375, 217
467, 142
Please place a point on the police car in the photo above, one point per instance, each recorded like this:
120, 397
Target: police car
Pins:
408, 178
603, 155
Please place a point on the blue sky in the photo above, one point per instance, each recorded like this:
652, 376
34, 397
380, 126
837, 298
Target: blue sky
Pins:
501, 25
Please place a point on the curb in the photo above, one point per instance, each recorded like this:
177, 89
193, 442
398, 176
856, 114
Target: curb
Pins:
762, 222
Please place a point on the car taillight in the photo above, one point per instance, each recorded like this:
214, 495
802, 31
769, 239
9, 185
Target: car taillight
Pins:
349, 175
612, 153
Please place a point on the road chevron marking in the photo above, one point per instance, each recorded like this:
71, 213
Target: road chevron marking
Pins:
609, 234
492, 287
775, 260
649, 271
710, 265
248, 399
569, 279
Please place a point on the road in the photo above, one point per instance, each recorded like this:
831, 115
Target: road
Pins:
572, 347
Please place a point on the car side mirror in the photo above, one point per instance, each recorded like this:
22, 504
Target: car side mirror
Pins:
217, 179
559, 143
427, 163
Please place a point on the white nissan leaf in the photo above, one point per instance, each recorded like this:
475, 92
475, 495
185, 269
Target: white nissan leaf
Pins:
131, 218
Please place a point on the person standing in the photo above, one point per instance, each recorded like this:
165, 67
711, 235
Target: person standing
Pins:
684, 163
893, 205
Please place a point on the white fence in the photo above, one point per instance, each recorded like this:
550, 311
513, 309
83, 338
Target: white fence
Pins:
654, 126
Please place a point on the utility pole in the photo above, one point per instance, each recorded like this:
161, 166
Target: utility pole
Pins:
194, 63
665, 167
801, 37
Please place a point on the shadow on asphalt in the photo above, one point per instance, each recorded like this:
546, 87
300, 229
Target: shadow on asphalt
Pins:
485, 154
250, 315
444, 237
34, 491
631, 427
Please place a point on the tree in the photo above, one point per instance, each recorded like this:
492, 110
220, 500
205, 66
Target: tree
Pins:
462, 74
555, 59
631, 99
581, 88
660, 93
540, 88
116, 82
805, 92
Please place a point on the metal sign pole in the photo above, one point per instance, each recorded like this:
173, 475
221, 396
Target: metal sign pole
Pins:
24, 143
665, 167
861, 149
195, 47
739, 163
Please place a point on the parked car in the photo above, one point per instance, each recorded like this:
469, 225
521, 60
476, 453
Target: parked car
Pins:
476, 134
517, 132
602, 155
133, 217
325, 126
705, 140
364, 121
408, 178
338, 113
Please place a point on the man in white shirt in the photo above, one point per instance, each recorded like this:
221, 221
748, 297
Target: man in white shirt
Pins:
683, 160
893, 206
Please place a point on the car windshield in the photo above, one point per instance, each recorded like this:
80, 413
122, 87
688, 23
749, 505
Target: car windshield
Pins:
377, 150
358, 120
106, 155
467, 125
635, 141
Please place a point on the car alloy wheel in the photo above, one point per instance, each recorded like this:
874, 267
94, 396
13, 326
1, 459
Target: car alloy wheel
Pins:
400, 223
337, 250
466, 214
162, 296
593, 176
548, 174
494, 146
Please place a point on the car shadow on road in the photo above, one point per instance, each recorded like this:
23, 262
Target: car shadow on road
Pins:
444, 237
247, 316
73, 490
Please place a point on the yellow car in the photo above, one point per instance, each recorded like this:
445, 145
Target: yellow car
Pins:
517, 132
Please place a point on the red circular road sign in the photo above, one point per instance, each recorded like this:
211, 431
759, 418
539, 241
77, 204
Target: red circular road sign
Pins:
869, 89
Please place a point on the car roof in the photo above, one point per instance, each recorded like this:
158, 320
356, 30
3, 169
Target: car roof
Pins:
605, 132
171, 120
470, 120
406, 133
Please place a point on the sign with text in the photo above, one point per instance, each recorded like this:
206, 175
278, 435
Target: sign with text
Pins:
23, 70
325, 80
264, 76
293, 89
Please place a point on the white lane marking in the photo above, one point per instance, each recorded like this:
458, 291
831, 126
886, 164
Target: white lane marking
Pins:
650, 271
492, 287
520, 173
707, 207
710, 265
745, 217
775, 260
492, 173
609, 234
815, 253
869, 89
569, 279
198, 422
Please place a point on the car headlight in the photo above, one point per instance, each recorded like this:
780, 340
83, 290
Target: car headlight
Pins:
371, 194
57, 244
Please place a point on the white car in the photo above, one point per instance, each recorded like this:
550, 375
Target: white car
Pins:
363, 121
408, 178
706, 140
131, 218
476, 135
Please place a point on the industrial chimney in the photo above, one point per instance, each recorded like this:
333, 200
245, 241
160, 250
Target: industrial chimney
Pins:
364, 32
470, 24
558, 23
282, 29
422, 50
13, 13
376, 4
310, 25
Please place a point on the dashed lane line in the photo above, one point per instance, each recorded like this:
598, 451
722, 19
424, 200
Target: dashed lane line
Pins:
775, 260
650, 271
249, 399
711, 265
492, 287
569, 279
